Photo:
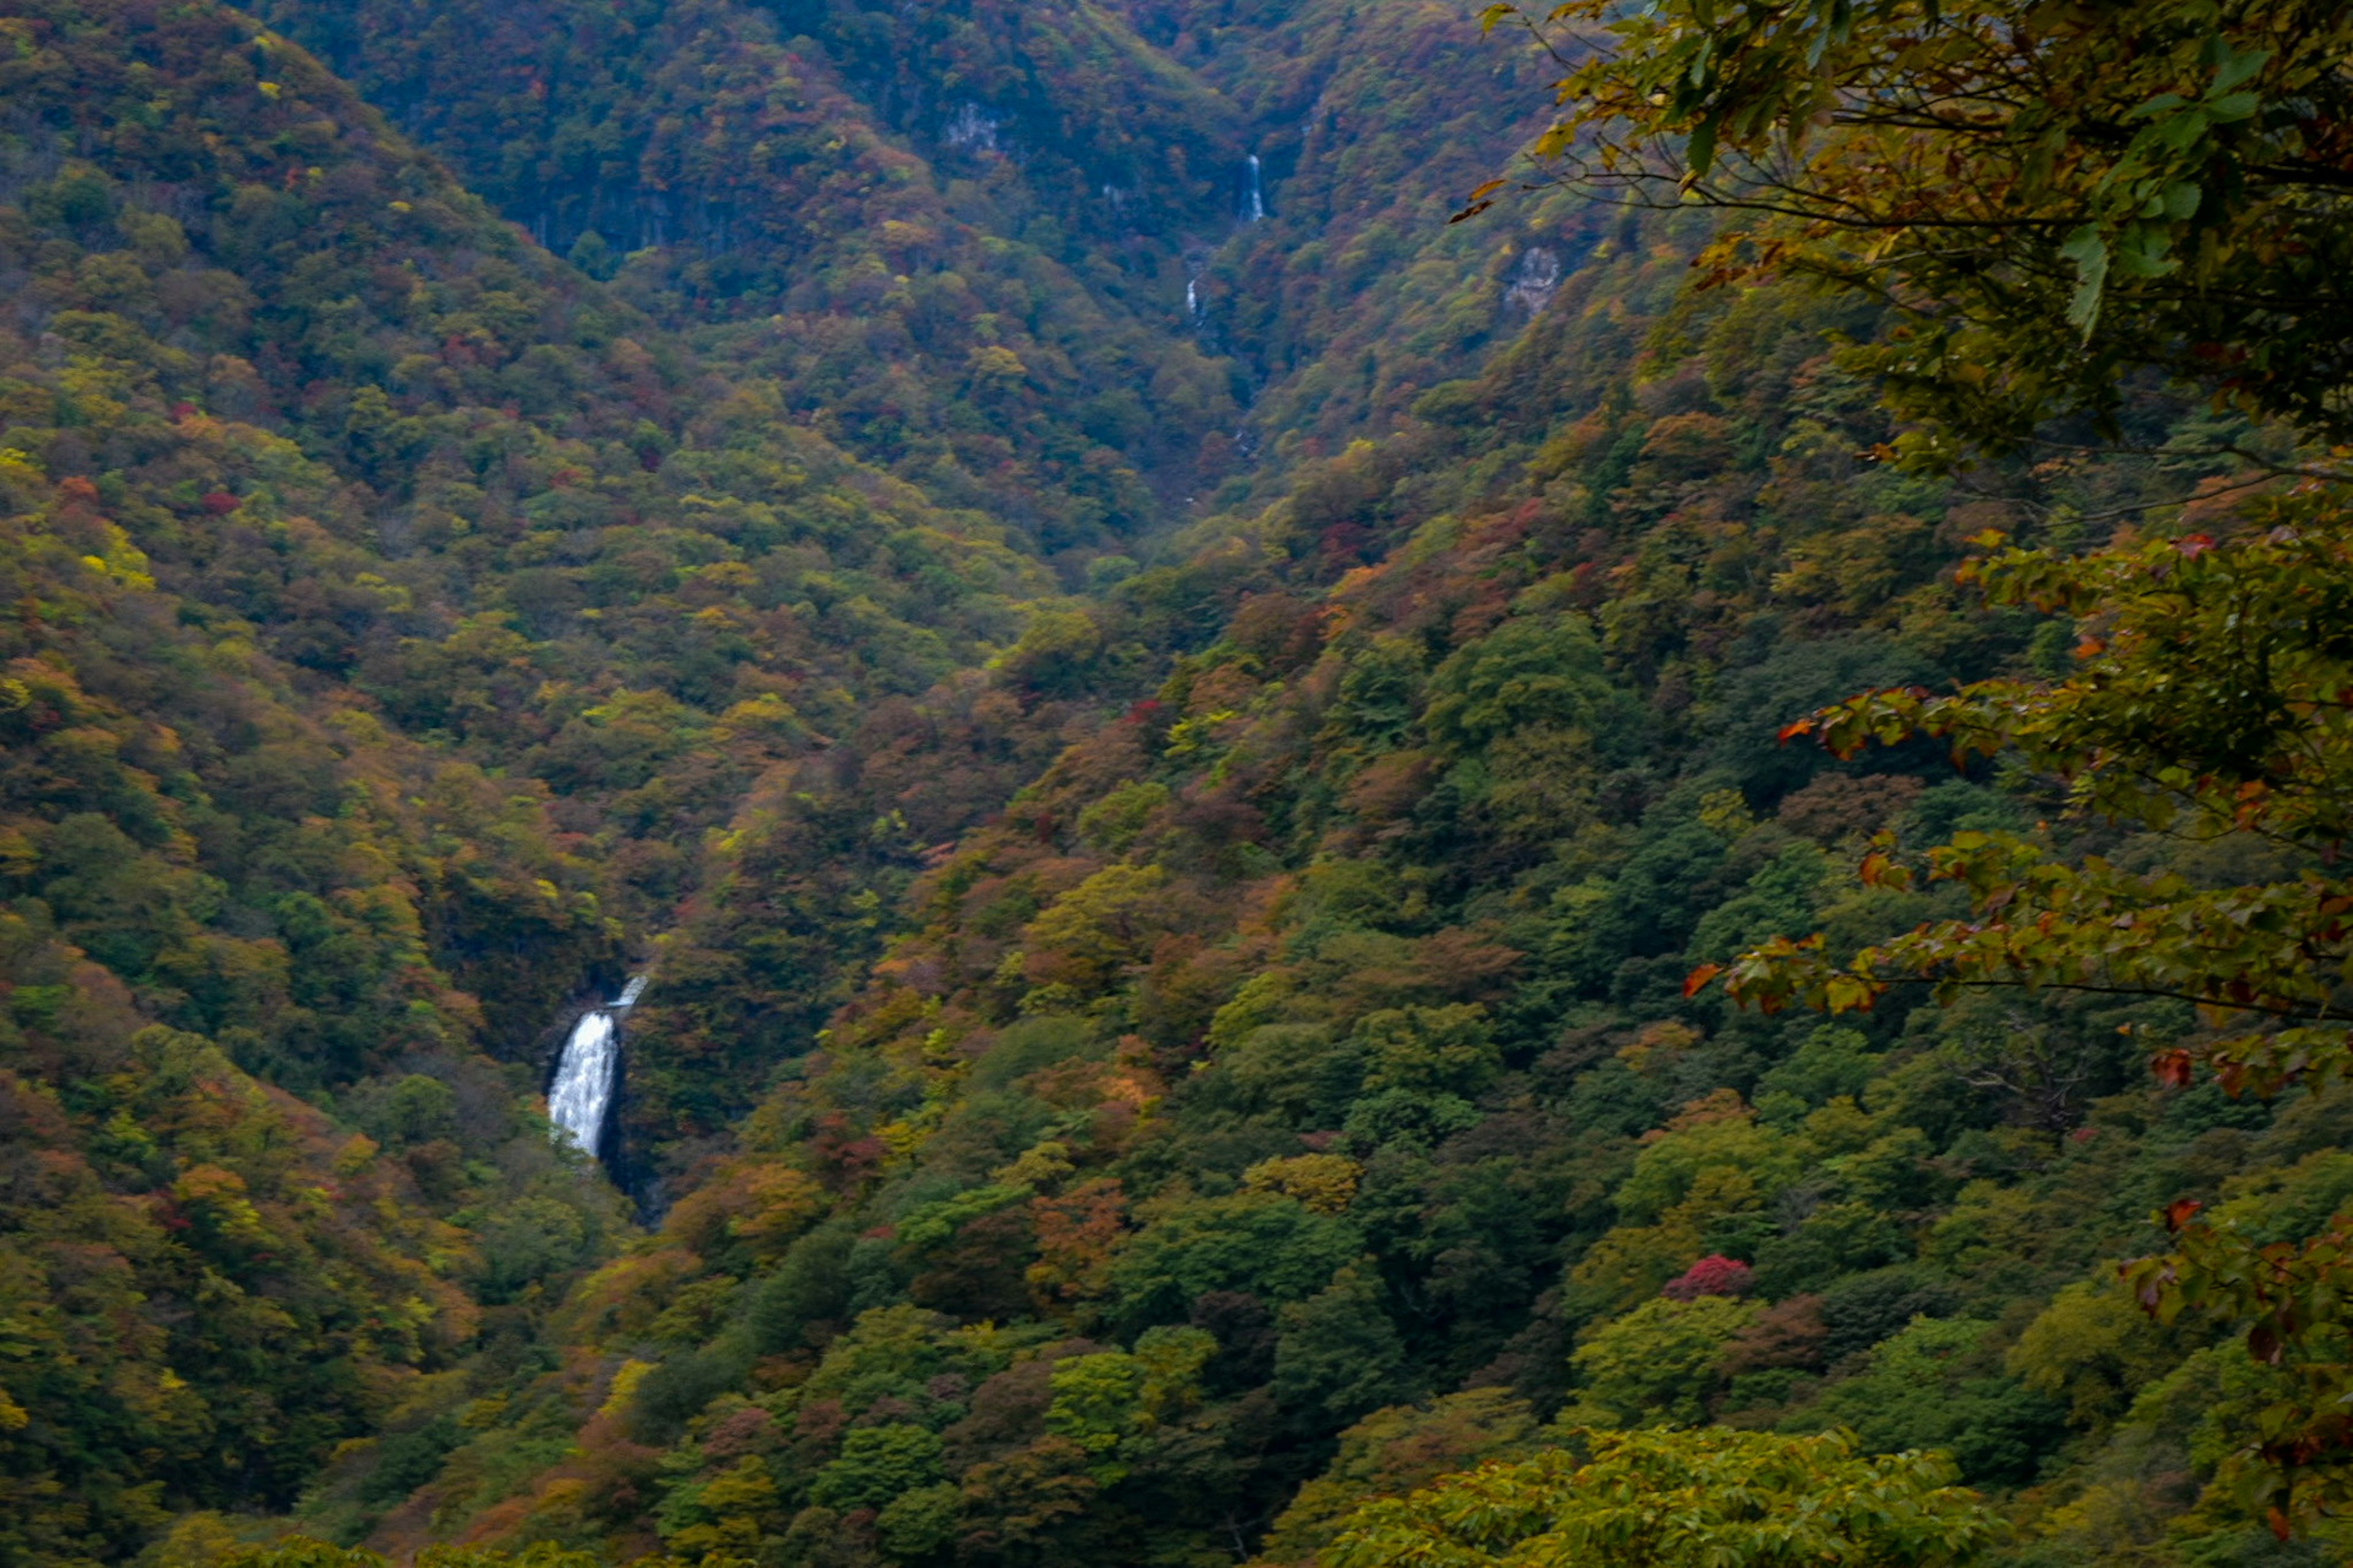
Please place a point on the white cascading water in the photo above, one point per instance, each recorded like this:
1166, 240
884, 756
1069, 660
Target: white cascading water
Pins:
1253, 199
582, 1091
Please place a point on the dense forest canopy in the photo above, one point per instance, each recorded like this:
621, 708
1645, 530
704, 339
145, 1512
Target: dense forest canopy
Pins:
1654, 878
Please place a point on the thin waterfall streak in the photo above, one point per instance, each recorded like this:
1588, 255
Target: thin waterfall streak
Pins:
1253, 198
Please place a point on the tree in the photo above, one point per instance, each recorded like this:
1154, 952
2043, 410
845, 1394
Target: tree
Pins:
1395, 1450
2209, 705
1928, 1384
1339, 1354
1715, 1275
1660, 1359
307, 1552
876, 1464
1713, 1497
2048, 197
2050, 200
1110, 1403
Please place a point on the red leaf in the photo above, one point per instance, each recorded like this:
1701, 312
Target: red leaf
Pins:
1699, 977
2264, 1344
2177, 1212
2173, 1068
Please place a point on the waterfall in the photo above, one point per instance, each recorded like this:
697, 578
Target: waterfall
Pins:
1253, 198
581, 1093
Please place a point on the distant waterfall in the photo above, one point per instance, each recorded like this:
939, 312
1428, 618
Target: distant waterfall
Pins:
581, 1094
1253, 196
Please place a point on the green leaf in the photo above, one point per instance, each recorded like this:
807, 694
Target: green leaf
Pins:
2088, 249
2231, 69
2163, 103
2186, 128
1699, 154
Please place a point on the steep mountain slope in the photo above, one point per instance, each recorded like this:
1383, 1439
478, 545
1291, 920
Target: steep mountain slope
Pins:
1370, 125
1292, 1094
820, 172
1011, 252
1136, 1074
543, 539
395, 612
927, 285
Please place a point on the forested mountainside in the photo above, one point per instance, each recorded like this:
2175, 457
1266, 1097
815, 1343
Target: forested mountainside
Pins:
395, 612
1020, 255
1182, 741
1292, 1095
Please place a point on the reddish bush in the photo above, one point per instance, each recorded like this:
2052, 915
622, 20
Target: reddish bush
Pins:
1715, 1275
1790, 1333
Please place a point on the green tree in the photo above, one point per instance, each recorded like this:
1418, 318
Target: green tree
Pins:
1928, 1385
1429, 1050
876, 1464
1108, 1402
1658, 1363
1705, 1498
916, 1524
2050, 201
2049, 198
1339, 1354
2207, 705
307, 1552
1394, 1451
2092, 1349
